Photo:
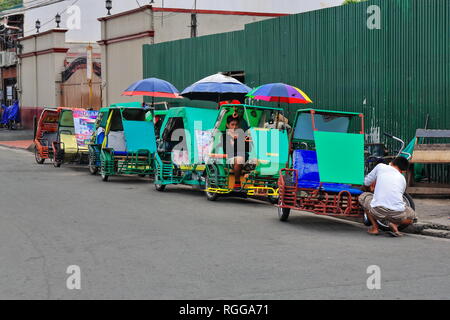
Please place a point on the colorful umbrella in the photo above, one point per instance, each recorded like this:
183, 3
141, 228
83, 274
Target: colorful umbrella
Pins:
152, 87
279, 92
217, 87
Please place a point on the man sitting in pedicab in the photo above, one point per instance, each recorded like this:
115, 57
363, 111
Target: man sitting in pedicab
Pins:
385, 201
236, 147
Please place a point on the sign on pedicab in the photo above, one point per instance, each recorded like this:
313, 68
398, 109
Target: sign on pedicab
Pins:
84, 123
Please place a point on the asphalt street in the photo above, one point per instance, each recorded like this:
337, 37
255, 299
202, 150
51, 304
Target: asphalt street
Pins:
132, 242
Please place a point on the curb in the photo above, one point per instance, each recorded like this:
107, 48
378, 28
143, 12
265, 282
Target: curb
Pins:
30, 148
429, 229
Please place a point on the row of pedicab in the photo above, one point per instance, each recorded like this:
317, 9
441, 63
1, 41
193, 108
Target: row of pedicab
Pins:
317, 165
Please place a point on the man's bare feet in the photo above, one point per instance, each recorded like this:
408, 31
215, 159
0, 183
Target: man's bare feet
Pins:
373, 231
394, 230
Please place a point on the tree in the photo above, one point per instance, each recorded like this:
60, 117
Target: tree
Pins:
352, 1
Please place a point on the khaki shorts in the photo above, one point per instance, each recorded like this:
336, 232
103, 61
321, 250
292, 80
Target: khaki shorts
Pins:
382, 213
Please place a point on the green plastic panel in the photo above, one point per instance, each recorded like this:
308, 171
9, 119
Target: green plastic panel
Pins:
270, 148
140, 135
340, 157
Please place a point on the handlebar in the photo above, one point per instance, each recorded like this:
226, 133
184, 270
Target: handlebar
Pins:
397, 139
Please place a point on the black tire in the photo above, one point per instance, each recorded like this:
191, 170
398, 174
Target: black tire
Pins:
409, 201
104, 177
209, 195
38, 158
272, 199
283, 214
160, 187
93, 169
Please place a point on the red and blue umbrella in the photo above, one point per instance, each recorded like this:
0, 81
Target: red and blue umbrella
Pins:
279, 92
152, 87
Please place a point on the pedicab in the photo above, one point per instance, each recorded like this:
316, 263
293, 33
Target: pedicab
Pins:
325, 172
45, 133
123, 142
266, 153
183, 147
75, 128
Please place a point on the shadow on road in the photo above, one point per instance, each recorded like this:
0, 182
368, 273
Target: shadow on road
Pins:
322, 224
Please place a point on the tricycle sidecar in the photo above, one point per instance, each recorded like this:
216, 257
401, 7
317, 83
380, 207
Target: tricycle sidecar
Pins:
326, 167
45, 133
183, 147
264, 144
75, 128
123, 143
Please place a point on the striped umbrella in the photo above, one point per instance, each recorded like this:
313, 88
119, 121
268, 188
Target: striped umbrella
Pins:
217, 88
279, 92
152, 87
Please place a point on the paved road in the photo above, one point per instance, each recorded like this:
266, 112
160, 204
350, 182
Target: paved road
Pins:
132, 242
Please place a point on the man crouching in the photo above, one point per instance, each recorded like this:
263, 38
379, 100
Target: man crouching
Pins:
386, 202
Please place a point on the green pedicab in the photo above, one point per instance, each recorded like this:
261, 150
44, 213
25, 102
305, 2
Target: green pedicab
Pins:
124, 142
183, 147
266, 153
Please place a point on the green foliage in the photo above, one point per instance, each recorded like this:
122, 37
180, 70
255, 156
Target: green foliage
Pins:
352, 1
10, 4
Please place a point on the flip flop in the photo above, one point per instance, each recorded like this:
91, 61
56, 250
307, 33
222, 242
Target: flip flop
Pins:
395, 234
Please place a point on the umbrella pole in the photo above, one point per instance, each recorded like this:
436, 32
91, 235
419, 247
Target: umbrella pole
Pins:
153, 103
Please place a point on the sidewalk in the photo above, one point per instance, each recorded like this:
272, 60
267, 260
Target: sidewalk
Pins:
19, 139
434, 217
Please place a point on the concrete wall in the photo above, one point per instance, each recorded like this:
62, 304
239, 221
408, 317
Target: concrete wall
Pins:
176, 27
121, 48
40, 66
121, 66
92, 9
123, 36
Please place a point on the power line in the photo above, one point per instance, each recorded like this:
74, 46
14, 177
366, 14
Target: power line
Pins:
51, 20
37, 4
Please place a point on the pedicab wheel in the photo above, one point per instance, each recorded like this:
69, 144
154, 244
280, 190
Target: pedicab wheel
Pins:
272, 199
160, 187
104, 177
283, 214
93, 169
211, 196
38, 158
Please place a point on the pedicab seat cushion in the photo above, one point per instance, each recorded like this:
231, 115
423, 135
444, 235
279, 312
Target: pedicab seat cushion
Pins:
329, 187
50, 137
305, 162
116, 141
126, 153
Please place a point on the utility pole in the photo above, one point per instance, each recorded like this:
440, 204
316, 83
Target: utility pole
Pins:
194, 21
89, 67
